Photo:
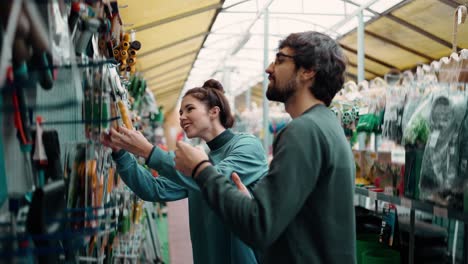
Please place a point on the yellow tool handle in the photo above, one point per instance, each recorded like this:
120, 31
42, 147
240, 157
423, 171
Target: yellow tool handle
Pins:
125, 116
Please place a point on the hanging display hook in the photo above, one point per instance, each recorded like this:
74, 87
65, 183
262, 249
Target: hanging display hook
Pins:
458, 18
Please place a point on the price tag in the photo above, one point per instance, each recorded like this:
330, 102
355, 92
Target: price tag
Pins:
363, 111
398, 156
459, 16
452, 151
405, 202
373, 195
440, 211
434, 138
389, 190
357, 155
385, 157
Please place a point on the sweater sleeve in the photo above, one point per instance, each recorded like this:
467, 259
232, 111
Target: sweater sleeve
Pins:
140, 181
278, 196
247, 158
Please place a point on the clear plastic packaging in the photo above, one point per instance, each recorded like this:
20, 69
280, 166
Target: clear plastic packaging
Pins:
417, 129
440, 178
392, 123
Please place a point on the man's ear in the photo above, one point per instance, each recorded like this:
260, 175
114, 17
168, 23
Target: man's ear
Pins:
307, 74
214, 112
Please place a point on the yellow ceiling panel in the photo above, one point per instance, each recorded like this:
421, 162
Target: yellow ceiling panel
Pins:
353, 70
170, 87
169, 67
434, 17
170, 76
158, 63
408, 38
385, 51
143, 12
369, 65
154, 84
171, 52
169, 33
168, 102
418, 31
165, 96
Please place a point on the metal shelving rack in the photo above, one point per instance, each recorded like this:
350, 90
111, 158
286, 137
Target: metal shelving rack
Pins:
423, 206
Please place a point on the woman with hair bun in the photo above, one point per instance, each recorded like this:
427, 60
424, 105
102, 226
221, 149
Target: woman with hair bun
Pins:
204, 113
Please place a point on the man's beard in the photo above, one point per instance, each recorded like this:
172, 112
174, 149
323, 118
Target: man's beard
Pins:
282, 94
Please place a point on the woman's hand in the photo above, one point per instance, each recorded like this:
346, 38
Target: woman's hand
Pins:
130, 140
106, 140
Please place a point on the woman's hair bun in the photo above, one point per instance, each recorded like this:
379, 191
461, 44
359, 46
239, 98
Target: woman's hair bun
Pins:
214, 84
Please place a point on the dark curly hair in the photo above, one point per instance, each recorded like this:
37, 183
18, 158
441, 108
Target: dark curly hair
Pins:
211, 94
317, 51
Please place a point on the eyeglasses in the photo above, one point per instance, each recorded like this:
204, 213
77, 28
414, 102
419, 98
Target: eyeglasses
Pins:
279, 56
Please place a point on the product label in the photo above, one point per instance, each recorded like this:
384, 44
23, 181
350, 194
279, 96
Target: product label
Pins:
434, 137
363, 111
459, 16
388, 190
398, 156
405, 202
440, 211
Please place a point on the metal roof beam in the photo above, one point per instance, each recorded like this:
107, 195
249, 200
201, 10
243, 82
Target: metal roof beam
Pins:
173, 74
164, 88
168, 81
169, 60
169, 45
351, 75
170, 77
168, 89
368, 71
235, 4
203, 42
419, 30
394, 43
345, 20
287, 13
179, 16
168, 98
173, 68
450, 3
388, 65
166, 93
403, 23
247, 32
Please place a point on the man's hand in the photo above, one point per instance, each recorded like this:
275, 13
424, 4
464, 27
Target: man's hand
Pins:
240, 186
130, 140
187, 157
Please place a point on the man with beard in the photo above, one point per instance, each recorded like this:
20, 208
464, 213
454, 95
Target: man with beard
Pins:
302, 211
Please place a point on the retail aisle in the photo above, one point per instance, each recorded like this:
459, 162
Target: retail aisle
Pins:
180, 246
161, 223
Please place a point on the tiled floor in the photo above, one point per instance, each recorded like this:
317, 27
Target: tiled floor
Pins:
180, 246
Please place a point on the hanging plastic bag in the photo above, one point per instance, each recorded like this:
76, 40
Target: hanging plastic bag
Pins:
440, 180
417, 129
391, 128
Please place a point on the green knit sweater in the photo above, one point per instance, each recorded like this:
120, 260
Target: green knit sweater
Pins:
302, 211
212, 242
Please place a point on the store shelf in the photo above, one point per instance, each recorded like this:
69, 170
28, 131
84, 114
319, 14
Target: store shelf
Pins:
423, 206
